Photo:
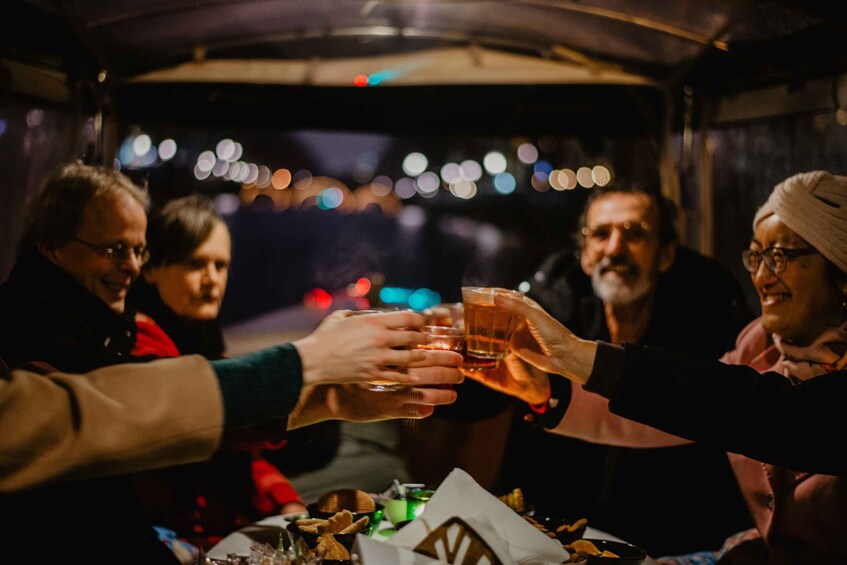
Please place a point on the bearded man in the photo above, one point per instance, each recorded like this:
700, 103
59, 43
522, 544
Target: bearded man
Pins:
632, 282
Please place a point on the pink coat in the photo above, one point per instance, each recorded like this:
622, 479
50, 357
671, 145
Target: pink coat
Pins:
802, 516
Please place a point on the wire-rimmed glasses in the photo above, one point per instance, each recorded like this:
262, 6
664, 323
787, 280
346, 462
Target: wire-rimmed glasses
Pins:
116, 252
776, 258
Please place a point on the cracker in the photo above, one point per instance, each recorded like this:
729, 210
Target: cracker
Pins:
331, 548
336, 522
358, 526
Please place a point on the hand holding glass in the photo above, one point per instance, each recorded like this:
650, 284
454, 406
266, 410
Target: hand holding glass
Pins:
488, 327
379, 385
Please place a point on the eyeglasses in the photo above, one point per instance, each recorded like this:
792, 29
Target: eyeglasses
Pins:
631, 232
117, 252
776, 258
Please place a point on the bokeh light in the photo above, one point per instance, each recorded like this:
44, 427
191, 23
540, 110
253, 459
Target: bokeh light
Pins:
539, 182
167, 149
505, 183
567, 178
281, 179
382, 185
428, 184
494, 162
527, 153
405, 188
330, 198
141, 144
583, 177
451, 172
206, 160
471, 170
464, 189
302, 179
414, 164
601, 175
225, 150
200, 173
542, 166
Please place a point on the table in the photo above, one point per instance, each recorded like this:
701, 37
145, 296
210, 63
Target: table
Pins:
267, 531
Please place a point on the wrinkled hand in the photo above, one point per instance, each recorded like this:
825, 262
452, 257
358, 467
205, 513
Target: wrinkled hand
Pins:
545, 343
350, 349
514, 377
357, 404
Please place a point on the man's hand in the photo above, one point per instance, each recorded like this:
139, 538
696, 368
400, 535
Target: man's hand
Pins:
350, 349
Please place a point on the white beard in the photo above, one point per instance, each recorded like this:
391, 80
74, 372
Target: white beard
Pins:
617, 292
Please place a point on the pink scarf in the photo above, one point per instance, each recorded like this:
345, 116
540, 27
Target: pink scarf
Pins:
828, 353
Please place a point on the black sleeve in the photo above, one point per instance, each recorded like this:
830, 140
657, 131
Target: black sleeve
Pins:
763, 416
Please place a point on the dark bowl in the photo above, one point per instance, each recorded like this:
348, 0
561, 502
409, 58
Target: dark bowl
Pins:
626, 553
528, 509
312, 539
374, 518
552, 523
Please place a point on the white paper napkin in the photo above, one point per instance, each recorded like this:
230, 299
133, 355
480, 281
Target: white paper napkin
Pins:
508, 535
373, 552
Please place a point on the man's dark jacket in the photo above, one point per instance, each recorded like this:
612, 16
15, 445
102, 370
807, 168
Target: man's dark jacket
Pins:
49, 317
670, 500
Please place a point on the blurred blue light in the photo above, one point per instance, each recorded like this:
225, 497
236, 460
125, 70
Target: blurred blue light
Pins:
330, 198
150, 157
126, 153
505, 183
395, 295
543, 167
3, 125
381, 76
423, 298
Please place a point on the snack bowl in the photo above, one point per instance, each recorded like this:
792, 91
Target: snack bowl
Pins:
558, 526
312, 539
374, 518
627, 554
528, 509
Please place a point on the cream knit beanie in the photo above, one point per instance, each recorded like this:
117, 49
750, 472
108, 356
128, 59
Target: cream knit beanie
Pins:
814, 206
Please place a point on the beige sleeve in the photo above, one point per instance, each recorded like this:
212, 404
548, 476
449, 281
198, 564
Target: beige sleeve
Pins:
114, 420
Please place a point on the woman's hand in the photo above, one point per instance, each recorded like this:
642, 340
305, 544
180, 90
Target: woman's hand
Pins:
357, 404
546, 344
380, 346
514, 377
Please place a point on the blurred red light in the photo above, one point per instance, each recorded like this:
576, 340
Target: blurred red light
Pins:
323, 300
361, 80
363, 286
317, 298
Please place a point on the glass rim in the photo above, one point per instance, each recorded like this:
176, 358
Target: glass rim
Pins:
443, 330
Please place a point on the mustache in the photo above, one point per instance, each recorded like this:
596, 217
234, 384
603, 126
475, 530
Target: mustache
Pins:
617, 263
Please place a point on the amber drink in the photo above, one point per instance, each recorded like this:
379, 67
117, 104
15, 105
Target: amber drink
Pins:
488, 327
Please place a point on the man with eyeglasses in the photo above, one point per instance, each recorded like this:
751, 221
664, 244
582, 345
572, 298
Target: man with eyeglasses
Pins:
631, 282
81, 250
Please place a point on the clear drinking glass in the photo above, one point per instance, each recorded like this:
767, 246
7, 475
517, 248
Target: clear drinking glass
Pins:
488, 327
379, 385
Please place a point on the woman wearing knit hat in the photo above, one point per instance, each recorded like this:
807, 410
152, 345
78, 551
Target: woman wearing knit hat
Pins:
797, 259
